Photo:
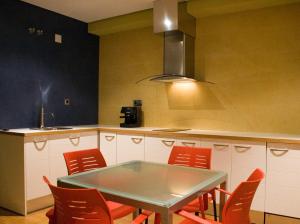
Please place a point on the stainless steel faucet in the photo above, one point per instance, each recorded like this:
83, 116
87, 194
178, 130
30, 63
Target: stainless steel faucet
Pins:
42, 121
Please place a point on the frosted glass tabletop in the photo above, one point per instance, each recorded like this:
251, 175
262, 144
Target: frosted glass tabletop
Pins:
158, 184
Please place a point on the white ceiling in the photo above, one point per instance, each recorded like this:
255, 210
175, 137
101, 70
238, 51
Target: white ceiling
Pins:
93, 10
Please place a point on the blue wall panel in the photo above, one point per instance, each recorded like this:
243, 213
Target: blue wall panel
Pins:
31, 65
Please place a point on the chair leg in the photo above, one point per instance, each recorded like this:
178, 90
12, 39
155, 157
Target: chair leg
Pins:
215, 209
200, 199
157, 218
140, 212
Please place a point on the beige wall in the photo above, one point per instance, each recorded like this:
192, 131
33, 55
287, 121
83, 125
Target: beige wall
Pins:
253, 56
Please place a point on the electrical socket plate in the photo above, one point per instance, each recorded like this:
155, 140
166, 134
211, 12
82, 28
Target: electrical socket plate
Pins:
58, 38
67, 102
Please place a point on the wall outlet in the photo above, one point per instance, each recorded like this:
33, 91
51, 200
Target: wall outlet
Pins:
58, 38
67, 102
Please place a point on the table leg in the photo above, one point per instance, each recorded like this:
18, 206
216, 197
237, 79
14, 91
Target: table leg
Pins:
166, 218
135, 214
222, 199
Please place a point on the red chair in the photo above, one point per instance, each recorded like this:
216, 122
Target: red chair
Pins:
80, 206
199, 158
237, 208
85, 160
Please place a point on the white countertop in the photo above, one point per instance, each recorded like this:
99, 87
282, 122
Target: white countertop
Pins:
149, 130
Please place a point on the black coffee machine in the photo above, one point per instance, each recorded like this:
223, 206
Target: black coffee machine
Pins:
133, 117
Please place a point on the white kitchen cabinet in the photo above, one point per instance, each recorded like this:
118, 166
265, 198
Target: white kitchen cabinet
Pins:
130, 147
108, 147
158, 149
221, 158
283, 180
188, 142
246, 157
36, 166
67, 143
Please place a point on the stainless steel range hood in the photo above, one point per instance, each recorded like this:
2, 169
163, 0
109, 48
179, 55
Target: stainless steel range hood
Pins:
178, 28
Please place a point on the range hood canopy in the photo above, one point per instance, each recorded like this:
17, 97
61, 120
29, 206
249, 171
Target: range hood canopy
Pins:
178, 28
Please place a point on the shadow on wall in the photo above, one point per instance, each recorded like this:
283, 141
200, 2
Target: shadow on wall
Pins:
191, 96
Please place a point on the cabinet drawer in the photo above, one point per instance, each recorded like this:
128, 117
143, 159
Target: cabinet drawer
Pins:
158, 149
130, 147
72, 142
283, 182
108, 147
188, 142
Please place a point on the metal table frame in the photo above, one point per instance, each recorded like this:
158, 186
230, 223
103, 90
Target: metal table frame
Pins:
165, 212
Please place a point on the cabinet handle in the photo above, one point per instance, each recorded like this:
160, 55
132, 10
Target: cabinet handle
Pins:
42, 140
168, 143
136, 140
109, 138
189, 144
241, 149
279, 152
75, 139
220, 147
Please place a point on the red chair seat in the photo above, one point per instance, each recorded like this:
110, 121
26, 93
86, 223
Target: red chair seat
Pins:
50, 215
193, 157
237, 207
194, 206
118, 210
187, 221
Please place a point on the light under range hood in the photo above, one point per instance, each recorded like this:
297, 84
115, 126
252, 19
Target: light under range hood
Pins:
179, 28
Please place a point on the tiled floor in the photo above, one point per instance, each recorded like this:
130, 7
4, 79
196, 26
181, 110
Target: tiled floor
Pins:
39, 217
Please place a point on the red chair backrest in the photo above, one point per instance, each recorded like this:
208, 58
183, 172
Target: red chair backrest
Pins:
237, 207
79, 206
84, 160
191, 156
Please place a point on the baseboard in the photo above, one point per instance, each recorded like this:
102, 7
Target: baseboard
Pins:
278, 219
39, 203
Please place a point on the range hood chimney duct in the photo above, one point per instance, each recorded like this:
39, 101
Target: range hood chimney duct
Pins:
179, 29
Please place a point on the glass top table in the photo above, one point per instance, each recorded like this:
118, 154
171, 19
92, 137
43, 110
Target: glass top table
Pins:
157, 187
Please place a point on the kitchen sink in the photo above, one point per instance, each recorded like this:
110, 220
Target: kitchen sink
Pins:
51, 128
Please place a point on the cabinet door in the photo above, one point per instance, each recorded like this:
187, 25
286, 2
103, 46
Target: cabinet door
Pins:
283, 180
130, 147
108, 147
246, 157
221, 158
158, 149
36, 166
188, 142
67, 143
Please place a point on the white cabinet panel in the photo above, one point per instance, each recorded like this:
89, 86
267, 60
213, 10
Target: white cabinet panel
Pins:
158, 149
283, 180
108, 147
72, 142
130, 147
246, 157
221, 158
36, 166
44, 157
